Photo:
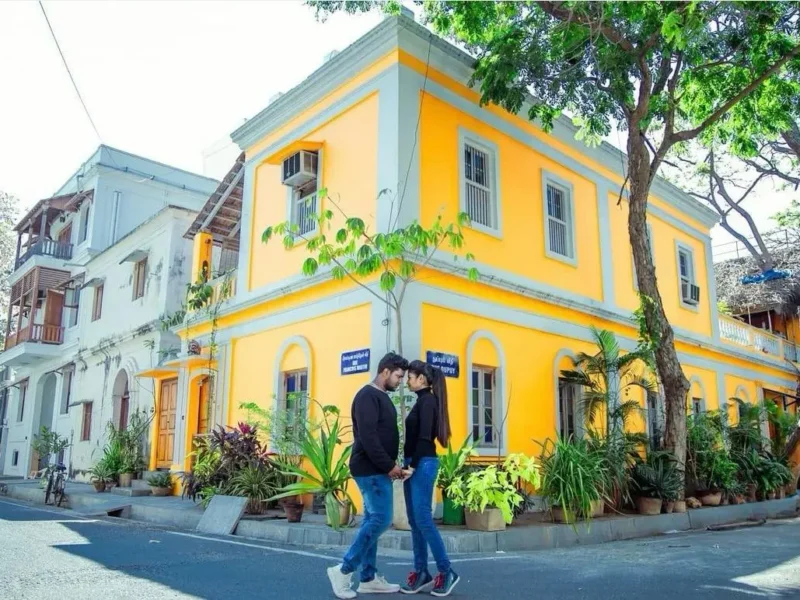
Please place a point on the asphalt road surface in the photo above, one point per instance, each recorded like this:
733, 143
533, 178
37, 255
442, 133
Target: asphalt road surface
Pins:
54, 554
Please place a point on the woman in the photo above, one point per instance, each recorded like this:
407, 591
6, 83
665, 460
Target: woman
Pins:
427, 422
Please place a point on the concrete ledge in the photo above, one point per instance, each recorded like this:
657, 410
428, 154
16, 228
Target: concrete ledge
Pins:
183, 514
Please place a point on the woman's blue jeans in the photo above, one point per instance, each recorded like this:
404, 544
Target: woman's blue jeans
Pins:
418, 490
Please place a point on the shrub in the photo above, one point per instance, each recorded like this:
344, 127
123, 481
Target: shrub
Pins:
161, 479
657, 477
573, 476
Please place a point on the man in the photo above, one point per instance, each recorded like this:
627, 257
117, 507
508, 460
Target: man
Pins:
373, 464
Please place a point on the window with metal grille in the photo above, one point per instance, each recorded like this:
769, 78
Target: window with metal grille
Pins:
568, 394
559, 222
72, 297
686, 274
479, 201
485, 418
86, 422
295, 399
304, 208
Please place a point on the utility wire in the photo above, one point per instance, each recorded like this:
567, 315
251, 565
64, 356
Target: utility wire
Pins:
75, 85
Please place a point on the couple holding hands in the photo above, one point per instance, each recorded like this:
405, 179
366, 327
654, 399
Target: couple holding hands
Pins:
373, 464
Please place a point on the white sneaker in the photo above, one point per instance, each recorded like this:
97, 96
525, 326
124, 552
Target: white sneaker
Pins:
379, 585
342, 584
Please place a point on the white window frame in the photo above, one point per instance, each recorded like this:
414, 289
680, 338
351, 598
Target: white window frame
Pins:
291, 204
564, 186
497, 434
681, 248
652, 256
466, 137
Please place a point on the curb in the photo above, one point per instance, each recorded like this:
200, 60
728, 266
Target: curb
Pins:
457, 541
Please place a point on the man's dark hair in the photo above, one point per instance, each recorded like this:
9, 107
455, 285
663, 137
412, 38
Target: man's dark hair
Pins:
393, 362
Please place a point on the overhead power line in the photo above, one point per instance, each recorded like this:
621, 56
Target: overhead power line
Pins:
66, 66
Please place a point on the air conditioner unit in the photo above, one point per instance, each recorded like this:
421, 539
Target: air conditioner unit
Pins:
299, 168
690, 293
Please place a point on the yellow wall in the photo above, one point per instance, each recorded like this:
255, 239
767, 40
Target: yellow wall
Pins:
349, 172
522, 249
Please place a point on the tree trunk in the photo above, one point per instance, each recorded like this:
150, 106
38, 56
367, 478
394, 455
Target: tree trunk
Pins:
676, 386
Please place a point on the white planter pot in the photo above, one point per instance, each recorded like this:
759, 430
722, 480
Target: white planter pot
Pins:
400, 516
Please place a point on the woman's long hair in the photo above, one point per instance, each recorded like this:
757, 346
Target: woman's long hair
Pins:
438, 385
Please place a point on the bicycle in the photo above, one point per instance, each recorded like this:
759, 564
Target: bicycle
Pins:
55, 485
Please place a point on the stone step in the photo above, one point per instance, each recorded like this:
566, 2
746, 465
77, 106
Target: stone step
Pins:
131, 491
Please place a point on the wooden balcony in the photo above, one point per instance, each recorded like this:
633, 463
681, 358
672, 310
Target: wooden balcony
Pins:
58, 250
42, 334
756, 340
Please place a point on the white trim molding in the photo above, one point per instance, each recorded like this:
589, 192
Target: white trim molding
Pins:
703, 396
501, 392
295, 340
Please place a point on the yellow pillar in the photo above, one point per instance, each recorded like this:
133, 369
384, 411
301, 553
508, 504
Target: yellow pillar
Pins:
201, 256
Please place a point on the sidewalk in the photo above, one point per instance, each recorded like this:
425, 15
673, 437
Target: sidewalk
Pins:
532, 533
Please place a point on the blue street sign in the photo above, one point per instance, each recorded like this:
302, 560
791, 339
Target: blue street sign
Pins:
356, 361
448, 363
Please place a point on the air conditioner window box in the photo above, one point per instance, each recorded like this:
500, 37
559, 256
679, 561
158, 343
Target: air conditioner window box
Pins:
299, 168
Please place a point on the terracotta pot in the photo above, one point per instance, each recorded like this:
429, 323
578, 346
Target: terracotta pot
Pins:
725, 500
560, 517
649, 506
680, 506
711, 498
751, 492
598, 508
782, 493
771, 495
99, 486
739, 499
125, 479
294, 511
255, 507
491, 519
110, 485
160, 491
669, 506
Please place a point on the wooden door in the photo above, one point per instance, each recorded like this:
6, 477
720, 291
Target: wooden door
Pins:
51, 332
202, 406
167, 411
66, 234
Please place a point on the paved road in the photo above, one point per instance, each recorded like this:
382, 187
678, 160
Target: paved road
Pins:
51, 554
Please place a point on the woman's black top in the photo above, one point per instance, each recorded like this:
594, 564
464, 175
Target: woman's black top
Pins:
421, 426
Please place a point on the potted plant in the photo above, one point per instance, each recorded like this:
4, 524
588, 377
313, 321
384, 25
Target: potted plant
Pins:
100, 475
490, 495
451, 466
127, 469
160, 483
258, 483
573, 477
293, 506
656, 482
327, 474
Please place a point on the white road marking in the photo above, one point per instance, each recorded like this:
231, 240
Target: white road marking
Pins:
259, 546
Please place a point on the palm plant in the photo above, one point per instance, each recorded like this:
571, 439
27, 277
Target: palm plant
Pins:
658, 476
606, 378
746, 434
256, 482
326, 475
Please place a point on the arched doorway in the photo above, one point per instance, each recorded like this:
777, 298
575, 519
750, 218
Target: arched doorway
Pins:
122, 400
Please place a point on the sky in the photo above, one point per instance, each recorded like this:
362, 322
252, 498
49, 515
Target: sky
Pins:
166, 80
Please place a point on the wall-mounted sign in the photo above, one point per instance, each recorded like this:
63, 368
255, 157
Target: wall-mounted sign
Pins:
448, 363
356, 361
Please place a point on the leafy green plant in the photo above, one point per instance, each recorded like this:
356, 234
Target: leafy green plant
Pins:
771, 474
746, 434
326, 474
783, 424
451, 463
258, 483
495, 486
162, 479
657, 476
114, 456
101, 472
573, 476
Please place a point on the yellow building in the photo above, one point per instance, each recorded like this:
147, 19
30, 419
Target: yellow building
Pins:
393, 111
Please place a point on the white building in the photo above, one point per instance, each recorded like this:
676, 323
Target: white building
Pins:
98, 265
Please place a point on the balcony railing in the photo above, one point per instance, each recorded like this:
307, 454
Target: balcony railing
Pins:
755, 339
42, 334
60, 250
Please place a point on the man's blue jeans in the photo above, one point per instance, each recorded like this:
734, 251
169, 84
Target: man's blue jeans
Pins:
377, 493
419, 497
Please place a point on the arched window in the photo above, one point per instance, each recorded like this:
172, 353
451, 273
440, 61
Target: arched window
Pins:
292, 383
568, 398
486, 392
697, 396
